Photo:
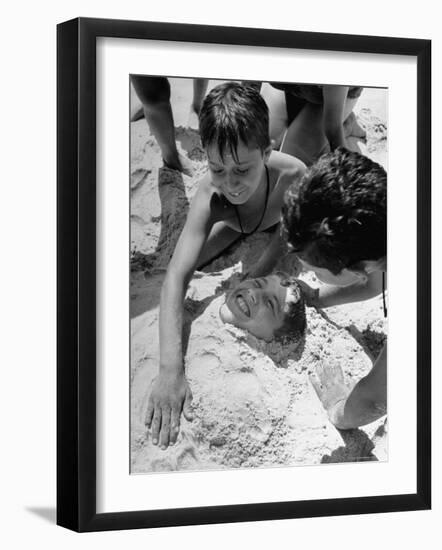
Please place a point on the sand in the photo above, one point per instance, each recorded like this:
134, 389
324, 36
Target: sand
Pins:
253, 402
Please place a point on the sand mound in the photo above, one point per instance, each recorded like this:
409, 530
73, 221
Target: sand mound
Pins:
253, 402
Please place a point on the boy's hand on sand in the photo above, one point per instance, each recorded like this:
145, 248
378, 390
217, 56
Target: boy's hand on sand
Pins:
169, 397
329, 385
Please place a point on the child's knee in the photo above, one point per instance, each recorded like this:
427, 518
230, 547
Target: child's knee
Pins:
151, 89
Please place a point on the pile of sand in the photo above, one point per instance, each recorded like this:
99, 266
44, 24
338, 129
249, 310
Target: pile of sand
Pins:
253, 403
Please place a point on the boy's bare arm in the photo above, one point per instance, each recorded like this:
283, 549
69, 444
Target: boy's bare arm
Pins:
353, 407
276, 248
170, 394
328, 295
292, 174
333, 114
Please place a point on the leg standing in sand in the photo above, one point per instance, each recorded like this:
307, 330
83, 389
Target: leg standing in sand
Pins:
307, 121
199, 91
154, 94
306, 137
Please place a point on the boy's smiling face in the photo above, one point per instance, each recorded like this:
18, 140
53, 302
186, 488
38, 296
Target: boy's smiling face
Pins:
258, 305
237, 177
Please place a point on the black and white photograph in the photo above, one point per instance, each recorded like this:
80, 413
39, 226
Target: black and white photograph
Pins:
258, 274
198, 299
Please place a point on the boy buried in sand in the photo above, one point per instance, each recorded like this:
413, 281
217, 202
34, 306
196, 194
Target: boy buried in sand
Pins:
336, 223
267, 307
242, 193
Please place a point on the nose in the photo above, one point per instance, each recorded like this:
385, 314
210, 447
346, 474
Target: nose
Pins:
252, 296
231, 182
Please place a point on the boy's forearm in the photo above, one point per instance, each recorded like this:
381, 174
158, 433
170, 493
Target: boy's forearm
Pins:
329, 296
367, 401
171, 324
357, 410
265, 264
269, 258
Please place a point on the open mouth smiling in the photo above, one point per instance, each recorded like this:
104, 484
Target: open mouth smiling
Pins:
237, 194
242, 305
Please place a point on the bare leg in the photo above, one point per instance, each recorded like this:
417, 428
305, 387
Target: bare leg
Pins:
199, 91
136, 107
351, 126
275, 100
219, 240
154, 94
306, 139
137, 113
352, 131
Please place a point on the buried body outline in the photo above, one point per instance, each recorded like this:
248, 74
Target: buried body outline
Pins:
245, 389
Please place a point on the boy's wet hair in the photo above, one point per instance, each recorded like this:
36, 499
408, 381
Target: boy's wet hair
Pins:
231, 113
294, 325
337, 217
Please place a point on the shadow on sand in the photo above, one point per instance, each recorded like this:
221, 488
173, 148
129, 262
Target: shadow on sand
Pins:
358, 447
174, 208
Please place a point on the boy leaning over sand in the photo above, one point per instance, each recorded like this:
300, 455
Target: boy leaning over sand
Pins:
336, 223
241, 193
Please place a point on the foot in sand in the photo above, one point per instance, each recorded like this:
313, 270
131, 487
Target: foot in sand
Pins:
137, 113
352, 127
180, 163
192, 120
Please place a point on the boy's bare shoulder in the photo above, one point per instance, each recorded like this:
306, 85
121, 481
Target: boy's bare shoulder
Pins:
205, 189
208, 199
290, 169
286, 165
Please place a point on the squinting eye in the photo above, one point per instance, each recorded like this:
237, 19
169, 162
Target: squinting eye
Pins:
216, 171
242, 172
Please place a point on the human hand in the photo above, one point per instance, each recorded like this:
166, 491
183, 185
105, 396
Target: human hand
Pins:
311, 295
170, 395
329, 385
235, 279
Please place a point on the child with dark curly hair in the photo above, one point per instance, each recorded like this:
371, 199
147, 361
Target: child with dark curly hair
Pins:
336, 223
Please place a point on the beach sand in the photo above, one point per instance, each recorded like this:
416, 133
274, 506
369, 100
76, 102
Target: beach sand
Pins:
253, 403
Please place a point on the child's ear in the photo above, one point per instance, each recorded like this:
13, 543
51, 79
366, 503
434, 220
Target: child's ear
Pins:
266, 154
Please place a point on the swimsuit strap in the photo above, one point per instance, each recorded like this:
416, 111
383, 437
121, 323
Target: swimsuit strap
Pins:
383, 294
243, 234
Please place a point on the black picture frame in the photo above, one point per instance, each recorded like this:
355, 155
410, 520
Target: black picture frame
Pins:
76, 273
